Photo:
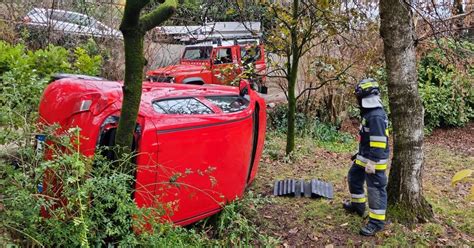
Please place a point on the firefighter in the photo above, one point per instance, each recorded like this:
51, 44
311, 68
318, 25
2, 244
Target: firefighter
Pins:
370, 162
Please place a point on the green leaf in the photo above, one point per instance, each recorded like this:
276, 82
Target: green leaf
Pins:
461, 175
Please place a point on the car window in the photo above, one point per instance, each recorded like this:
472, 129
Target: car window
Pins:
200, 53
79, 19
250, 54
71, 18
182, 106
223, 56
229, 104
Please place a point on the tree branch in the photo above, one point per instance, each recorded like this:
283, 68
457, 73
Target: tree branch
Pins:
324, 82
159, 15
131, 15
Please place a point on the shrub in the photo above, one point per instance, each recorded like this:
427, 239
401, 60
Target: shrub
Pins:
325, 134
278, 120
95, 205
86, 64
445, 85
235, 229
25, 73
446, 89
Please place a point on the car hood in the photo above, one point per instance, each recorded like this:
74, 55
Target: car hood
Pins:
173, 70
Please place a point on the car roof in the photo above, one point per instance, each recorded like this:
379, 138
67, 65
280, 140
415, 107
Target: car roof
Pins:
44, 11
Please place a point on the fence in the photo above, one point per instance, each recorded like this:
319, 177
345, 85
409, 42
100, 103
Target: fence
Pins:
71, 23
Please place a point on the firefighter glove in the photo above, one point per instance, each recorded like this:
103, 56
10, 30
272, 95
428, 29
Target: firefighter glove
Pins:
370, 167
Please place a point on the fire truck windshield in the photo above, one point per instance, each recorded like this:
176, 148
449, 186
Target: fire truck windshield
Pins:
197, 53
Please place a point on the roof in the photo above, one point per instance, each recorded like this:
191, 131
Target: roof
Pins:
210, 30
225, 43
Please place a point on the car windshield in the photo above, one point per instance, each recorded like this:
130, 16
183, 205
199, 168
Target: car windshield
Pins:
197, 53
182, 106
229, 104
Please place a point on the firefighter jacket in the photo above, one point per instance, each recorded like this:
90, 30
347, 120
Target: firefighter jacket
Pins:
373, 143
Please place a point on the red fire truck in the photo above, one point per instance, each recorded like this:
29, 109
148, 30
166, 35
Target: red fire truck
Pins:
220, 62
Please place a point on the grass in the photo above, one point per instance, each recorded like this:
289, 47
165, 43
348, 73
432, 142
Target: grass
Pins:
262, 220
319, 222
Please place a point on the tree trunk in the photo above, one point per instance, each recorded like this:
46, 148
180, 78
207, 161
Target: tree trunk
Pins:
292, 76
290, 135
134, 28
132, 88
405, 194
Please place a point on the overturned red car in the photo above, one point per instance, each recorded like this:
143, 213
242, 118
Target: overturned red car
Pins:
207, 139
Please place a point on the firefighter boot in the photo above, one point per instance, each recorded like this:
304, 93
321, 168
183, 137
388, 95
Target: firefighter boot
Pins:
351, 207
370, 229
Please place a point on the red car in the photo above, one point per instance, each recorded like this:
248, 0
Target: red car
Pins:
215, 63
207, 139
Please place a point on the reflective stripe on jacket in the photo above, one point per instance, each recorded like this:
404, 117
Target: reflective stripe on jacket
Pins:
374, 138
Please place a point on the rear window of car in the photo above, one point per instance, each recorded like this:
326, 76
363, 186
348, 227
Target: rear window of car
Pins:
181, 106
229, 104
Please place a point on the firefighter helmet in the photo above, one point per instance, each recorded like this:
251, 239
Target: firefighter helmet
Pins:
368, 93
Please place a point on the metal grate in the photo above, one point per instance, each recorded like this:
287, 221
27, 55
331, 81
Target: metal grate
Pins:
299, 187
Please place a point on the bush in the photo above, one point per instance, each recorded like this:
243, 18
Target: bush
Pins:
445, 85
25, 73
325, 134
278, 120
95, 205
446, 90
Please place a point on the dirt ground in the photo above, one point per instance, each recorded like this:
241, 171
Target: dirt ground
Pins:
304, 222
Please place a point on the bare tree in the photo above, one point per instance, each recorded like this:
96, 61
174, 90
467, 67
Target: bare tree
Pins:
134, 27
405, 191
298, 28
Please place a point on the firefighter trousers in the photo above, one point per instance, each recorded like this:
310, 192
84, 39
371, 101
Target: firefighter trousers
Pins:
376, 192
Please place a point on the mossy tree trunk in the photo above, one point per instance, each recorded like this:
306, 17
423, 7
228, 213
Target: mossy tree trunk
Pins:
405, 194
134, 27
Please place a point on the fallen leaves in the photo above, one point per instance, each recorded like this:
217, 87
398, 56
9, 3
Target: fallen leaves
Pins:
293, 230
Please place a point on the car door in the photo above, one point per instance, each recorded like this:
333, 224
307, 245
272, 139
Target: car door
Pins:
225, 67
203, 155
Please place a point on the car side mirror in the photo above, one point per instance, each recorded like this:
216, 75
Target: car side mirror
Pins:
244, 88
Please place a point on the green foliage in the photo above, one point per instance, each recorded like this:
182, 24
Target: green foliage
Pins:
92, 205
236, 229
446, 90
445, 86
24, 74
46, 62
196, 12
278, 120
86, 64
325, 134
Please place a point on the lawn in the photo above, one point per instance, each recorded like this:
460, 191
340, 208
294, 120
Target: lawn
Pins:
322, 222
